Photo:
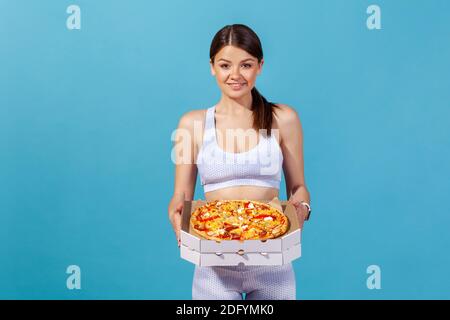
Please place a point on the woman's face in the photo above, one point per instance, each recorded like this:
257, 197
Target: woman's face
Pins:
235, 71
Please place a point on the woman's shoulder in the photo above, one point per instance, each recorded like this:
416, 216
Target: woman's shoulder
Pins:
188, 119
285, 115
287, 121
192, 121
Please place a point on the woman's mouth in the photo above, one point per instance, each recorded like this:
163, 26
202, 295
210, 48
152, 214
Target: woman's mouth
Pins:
236, 86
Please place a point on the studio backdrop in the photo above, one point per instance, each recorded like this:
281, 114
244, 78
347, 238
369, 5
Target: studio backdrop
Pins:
91, 91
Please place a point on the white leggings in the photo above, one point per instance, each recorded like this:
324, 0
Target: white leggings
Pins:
257, 282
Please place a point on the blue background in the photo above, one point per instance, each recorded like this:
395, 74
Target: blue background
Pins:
86, 118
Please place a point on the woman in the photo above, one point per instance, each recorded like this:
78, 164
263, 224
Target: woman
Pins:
230, 170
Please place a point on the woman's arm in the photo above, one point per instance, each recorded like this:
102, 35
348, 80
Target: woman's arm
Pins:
184, 156
293, 165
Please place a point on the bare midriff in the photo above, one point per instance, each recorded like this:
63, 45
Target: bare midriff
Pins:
242, 192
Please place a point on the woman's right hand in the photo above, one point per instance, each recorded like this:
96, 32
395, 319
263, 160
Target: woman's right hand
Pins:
175, 210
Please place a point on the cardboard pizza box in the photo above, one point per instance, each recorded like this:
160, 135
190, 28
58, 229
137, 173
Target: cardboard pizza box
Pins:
234, 259
204, 252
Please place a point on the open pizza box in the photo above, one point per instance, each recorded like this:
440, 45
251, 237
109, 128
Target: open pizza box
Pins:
204, 252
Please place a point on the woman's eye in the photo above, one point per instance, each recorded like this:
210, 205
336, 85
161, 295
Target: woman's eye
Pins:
246, 65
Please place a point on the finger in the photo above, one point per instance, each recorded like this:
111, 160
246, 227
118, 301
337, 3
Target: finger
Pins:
178, 205
177, 227
295, 203
301, 224
175, 214
176, 222
301, 220
298, 208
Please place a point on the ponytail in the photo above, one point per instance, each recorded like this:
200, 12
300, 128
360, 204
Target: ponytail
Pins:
262, 112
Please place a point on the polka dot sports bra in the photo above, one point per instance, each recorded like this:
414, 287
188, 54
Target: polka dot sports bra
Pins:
259, 166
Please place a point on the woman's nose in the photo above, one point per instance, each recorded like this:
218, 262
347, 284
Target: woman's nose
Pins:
235, 72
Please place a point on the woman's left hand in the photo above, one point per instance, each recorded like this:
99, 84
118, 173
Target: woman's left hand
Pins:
302, 211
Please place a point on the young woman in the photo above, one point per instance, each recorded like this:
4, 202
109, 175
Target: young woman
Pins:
231, 168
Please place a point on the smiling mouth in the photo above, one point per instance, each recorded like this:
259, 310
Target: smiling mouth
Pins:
236, 86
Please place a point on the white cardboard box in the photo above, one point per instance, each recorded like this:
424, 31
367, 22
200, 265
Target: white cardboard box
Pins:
204, 252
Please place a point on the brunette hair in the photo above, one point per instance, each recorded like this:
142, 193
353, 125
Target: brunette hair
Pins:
241, 36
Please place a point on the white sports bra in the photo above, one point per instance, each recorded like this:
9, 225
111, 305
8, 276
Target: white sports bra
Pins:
260, 166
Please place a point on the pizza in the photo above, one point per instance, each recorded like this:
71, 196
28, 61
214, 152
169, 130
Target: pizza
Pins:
238, 220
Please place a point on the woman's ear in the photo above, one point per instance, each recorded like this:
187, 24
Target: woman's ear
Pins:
211, 64
260, 66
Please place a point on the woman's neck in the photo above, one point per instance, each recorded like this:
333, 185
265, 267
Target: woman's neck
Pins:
228, 105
